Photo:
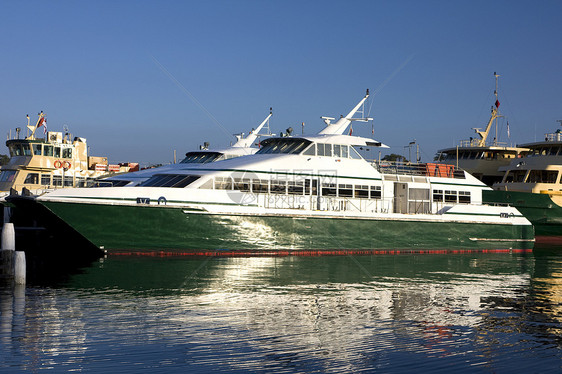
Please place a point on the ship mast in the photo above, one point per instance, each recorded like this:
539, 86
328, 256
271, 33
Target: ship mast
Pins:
342, 123
40, 122
494, 117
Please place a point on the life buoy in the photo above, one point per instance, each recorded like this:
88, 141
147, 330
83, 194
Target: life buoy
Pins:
66, 164
58, 164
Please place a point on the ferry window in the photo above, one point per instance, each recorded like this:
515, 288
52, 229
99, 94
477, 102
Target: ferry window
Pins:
376, 192
295, 187
48, 150
170, 180
297, 149
328, 150
345, 190
438, 195
26, 149
324, 149
450, 196
329, 189
201, 157
242, 184
278, 186
122, 183
57, 152
15, 150
32, 178
553, 151
354, 154
7, 175
344, 151
310, 151
362, 191
67, 152
36, 149
310, 187
45, 179
283, 145
519, 176
543, 176
68, 181
337, 152
260, 186
464, 197
57, 180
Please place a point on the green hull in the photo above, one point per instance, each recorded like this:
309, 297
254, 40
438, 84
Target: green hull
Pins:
539, 209
144, 228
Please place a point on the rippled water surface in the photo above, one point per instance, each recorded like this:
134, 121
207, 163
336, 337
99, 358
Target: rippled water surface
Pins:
388, 313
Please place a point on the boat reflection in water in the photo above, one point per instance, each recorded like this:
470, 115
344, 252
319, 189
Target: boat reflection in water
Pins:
497, 312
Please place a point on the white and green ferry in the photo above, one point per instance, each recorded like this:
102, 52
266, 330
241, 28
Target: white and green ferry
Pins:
302, 194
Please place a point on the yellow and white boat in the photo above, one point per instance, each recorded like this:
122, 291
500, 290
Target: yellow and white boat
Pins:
54, 161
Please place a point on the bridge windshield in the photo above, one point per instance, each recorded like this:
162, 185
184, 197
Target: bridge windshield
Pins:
201, 157
283, 145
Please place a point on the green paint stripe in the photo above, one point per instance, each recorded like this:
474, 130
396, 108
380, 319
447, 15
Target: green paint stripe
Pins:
460, 184
135, 199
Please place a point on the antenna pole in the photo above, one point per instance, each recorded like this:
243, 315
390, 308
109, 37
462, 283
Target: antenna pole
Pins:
497, 108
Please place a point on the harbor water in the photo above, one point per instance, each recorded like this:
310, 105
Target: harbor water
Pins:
388, 313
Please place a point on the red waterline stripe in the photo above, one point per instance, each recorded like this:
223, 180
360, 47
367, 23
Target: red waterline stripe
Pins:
308, 253
544, 239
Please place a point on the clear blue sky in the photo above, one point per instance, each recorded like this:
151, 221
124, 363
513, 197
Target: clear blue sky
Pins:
118, 72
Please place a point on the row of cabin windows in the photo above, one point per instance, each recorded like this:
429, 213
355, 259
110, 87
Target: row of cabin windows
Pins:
332, 150
466, 155
302, 187
451, 196
38, 149
328, 189
56, 180
546, 151
531, 176
297, 145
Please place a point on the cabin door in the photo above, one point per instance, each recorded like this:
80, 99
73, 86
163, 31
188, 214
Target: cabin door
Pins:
312, 190
400, 197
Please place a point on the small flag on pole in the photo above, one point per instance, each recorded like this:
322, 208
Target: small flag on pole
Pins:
351, 130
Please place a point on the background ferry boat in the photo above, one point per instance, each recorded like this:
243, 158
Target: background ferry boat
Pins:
533, 185
307, 194
55, 161
244, 146
480, 157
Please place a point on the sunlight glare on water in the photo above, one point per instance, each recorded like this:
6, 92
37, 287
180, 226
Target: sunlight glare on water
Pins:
391, 313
